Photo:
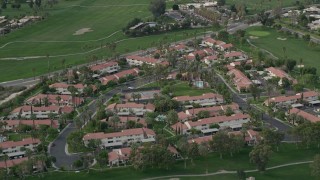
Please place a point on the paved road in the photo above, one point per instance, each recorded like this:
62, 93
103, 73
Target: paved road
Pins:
58, 150
265, 117
300, 34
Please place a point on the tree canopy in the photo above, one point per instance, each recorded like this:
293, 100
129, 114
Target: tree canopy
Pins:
157, 7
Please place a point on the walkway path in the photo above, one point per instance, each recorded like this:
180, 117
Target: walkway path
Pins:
226, 172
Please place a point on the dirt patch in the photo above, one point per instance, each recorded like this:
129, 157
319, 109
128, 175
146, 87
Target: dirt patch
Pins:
281, 39
82, 31
253, 37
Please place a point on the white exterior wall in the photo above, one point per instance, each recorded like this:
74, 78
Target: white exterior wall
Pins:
13, 151
110, 69
120, 141
211, 100
38, 114
223, 124
312, 98
134, 62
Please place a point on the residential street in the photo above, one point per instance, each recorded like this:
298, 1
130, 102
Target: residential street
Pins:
265, 117
58, 150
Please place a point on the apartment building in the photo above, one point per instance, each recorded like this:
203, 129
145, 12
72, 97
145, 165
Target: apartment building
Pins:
124, 138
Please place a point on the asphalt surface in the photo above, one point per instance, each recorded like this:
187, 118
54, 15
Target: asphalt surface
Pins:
57, 148
241, 100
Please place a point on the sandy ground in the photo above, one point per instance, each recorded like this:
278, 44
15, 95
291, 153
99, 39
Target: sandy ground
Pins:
253, 37
281, 39
82, 31
10, 97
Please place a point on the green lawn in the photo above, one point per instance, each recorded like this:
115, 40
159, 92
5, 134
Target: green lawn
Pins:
18, 136
288, 153
54, 36
296, 172
295, 48
183, 89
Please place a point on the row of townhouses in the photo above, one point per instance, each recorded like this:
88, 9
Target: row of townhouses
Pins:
124, 138
234, 122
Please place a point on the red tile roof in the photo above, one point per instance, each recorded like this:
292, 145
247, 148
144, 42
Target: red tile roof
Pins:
213, 110
211, 58
119, 154
52, 99
126, 132
226, 46
209, 51
218, 119
30, 122
240, 80
27, 108
210, 40
305, 115
64, 85
179, 125
172, 149
200, 140
27, 141
106, 79
115, 77
124, 73
179, 47
306, 95
218, 42
183, 116
66, 109
280, 73
13, 162
102, 66
201, 53
233, 54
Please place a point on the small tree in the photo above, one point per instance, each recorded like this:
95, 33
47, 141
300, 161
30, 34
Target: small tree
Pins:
157, 7
221, 2
172, 117
260, 156
175, 7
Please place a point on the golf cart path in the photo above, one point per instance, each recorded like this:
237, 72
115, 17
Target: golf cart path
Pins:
227, 172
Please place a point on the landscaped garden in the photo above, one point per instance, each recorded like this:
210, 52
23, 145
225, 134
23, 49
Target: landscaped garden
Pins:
288, 153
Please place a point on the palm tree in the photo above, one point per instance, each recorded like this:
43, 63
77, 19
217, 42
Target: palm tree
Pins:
33, 117
73, 92
58, 98
138, 96
133, 96
115, 120
51, 116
